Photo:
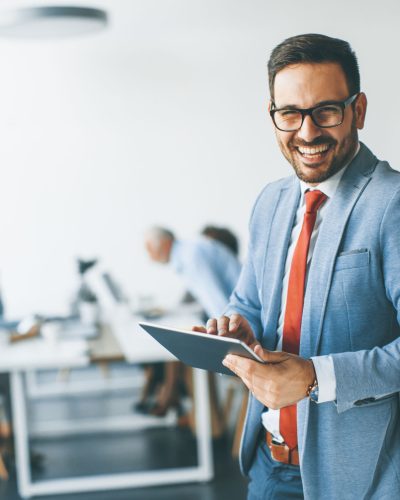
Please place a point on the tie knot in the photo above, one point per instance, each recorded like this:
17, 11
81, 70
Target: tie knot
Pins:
314, 200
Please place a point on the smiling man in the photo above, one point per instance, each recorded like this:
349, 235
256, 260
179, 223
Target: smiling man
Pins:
319, 296
308, 106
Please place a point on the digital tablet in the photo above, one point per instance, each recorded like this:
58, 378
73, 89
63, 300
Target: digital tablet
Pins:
199, 350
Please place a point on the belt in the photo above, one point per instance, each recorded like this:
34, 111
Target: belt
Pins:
281, 451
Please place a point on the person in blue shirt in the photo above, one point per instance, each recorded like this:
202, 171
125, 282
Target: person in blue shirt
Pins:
210, 269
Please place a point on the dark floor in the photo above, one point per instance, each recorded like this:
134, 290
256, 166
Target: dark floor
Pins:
124, 452
67, 458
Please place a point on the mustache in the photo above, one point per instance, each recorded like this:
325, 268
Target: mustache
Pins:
318, 141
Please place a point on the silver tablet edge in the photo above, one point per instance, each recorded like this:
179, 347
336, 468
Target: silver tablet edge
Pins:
199, 334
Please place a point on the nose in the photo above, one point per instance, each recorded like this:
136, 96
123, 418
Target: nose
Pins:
309, 131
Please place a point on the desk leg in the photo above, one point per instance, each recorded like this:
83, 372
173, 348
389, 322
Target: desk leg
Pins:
203, 424
204, 471
21, 436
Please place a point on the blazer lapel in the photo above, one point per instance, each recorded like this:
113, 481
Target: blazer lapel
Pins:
278, 240
350, 188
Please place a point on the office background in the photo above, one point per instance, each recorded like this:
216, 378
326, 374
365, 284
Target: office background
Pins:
160, 118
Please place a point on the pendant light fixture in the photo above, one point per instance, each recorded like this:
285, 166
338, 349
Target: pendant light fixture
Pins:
59, 21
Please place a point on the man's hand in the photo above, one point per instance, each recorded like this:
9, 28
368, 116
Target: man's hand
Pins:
236, 327
281, 382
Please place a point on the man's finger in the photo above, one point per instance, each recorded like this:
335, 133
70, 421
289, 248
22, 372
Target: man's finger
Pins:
239, 365
212, 326
229, 364
254, 345
223, 325
200, 329
234, 322
271, 356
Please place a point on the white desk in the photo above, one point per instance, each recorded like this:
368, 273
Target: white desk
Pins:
137, 347
38, 354
26, 355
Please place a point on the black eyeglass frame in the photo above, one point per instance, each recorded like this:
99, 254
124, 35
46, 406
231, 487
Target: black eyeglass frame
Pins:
309, 112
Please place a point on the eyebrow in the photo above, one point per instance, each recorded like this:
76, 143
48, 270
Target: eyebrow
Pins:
321, 103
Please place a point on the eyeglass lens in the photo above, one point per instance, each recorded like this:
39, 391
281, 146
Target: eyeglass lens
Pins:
323, 116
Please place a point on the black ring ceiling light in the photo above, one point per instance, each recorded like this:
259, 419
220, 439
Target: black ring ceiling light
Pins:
51, 22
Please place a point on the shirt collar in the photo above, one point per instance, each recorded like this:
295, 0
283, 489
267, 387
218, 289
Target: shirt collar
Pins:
329, 186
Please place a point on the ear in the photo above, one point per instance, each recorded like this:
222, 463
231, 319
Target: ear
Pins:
360, 110
269, 109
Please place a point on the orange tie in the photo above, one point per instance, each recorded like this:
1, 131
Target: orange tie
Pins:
294, 305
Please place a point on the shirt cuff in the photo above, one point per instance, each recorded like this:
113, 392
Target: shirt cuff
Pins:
326, 379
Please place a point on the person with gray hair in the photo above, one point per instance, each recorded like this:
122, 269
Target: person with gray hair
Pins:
158, 242
209, 269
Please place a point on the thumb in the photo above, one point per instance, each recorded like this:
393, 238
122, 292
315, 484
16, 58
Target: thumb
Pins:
270, 356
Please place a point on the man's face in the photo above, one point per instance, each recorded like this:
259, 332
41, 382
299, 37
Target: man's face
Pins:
152, 250
317, 153
158, 251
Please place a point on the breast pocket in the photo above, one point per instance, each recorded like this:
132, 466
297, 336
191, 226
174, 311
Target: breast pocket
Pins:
352, 259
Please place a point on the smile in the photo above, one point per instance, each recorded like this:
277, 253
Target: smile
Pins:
313, 152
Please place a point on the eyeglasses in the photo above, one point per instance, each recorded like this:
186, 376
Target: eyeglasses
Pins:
327, 115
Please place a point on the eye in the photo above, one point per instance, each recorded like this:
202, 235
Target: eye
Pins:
288, 113
328, 110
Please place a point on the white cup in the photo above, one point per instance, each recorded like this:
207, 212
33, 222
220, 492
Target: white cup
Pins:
89, 313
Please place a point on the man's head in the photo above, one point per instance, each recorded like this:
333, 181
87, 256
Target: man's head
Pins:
309, 71
223, 235
158, 243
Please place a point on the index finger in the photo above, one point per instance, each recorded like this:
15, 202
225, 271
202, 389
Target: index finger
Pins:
223, 325
234, 322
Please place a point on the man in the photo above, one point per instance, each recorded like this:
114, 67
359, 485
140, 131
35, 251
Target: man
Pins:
209, 269
322, 284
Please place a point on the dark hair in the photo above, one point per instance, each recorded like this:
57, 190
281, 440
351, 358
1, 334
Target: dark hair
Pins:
315, 48
223, 235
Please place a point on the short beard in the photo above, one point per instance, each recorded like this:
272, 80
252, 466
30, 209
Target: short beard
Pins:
341, 160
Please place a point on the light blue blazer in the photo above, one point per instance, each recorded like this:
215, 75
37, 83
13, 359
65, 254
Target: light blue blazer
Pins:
350, 448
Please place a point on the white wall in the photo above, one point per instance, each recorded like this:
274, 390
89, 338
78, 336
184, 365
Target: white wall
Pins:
159, 119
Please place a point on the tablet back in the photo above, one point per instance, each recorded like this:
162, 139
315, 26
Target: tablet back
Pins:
197, 349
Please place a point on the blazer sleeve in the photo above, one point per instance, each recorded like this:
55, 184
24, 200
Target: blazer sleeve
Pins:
374, 373
245, 298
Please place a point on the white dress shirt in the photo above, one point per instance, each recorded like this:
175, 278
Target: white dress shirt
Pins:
323, 364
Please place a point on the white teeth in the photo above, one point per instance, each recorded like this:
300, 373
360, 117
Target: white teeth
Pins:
314, 150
